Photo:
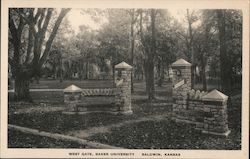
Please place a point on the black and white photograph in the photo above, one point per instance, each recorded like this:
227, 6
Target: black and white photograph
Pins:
88, 79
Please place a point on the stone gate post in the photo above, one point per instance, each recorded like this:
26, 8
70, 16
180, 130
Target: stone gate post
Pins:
215, 113
182, 71
123, 84
181, 85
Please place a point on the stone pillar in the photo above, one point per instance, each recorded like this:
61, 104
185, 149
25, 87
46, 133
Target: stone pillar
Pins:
215, 113
72, 96
123, 84
182, 71
181, 82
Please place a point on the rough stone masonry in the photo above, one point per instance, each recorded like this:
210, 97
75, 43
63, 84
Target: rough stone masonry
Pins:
208, 111
116, 100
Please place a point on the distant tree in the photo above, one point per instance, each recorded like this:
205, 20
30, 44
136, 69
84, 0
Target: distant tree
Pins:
86, 42
217, 44
205, 44
61, 48
114, 36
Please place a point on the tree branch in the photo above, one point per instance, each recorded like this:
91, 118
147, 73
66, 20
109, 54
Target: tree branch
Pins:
52, 35
38, 13
20, 27
38, 42
22, 16
13, 29
43, 29
41, 20
30, 46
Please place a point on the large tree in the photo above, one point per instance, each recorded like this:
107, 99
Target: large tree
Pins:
30, 44
230, 39
148, 47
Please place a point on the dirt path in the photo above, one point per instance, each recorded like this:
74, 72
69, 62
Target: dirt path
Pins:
62, 137
106, 129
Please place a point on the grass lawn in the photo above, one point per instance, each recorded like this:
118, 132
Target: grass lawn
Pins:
61, 123
55, 84
166, 135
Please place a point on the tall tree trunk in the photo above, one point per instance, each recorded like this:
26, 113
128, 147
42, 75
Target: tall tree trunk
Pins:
203, 74
203, 58
191, 51
151, 85
150, 80
61, 70
159, 72
142, 74
162, 72
132, 48
55, 71
145, 66
87, 70
225, 71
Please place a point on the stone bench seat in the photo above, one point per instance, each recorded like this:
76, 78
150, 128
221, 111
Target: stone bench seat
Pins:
81, 107
96, 103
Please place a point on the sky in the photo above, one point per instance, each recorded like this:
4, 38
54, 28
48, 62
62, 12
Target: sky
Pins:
76, 18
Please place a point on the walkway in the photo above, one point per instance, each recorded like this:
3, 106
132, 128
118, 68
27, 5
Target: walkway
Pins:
107, 129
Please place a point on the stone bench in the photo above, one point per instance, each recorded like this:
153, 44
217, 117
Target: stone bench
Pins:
97, 103
94, 100
115, 100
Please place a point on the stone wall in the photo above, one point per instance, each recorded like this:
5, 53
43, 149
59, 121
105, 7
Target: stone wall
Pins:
188, 107
206, 110
116, 100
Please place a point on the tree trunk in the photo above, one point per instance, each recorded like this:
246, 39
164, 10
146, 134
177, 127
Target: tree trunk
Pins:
150, 77
145, 66
160, 72
224, 61
55, 73
142, 74
87, 70
132, 48
203, 74
203, 58
151, 85
22, 89
190, 49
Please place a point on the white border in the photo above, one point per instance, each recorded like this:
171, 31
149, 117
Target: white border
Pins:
192, 4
